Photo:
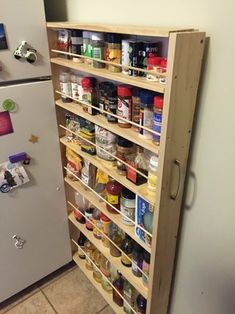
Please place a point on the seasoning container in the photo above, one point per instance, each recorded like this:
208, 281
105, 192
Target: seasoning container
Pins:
124, 109
97, 41
101, 96
137, 259
146, 113
141, 304
65, 87
135, 55
97, 223
157, 118
89, 94
150, 49
125, 56
136, 107
115, 235
105, 223
127, 247
76, 44
124, 147
163, 65
137, 161
118, 283
152, 174
81, 242
128, 296
88, 214
153, 64
87, 132
106, 140
105, 269
145, 268
96, 273
112, 104
74, 86
87, 47
79, 88
113, 189
107, 87
82, 204
114, 51
89, 249
127, 206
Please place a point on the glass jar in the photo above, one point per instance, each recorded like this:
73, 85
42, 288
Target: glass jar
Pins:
152, 174
112, 104
113, 189
153, 64
105, 223
145, 268
97, 223
137, 259
128, 296
89, 249
82, 204
88, 214
124, 148
146, 114
127, 206
76, 44
125, 56
97, 41
157, 118
106, 140
124, 93
105, 269
87, 47
65, 87
96, 273
115, 234
141, 304
114, 51
137, 161
136, 107
127, 247
118, 283
81, 242
90, 95
74, 86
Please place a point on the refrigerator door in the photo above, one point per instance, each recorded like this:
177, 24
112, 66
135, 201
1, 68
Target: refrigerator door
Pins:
36, 211
23, 21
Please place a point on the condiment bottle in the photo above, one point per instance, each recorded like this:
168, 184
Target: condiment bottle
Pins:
146, 113
124, 147
86, 97
96, 258
85, 172
157, 118
81, 204
65, 87
137, 161
90, 95
112, 104
116, 236
145, 268
74, 86
137, 260
114, 51
124, 93
141, 304
125, 56
127, 206
76, 44
135, 56
113, 189
98, 225
101, 96
105, 269
136, 107
81, 242
97, 41
152, 174
118, 283
128, 296
153, 63
127, 247
89, 249
87, 47
106, 140
105, 221
88, 214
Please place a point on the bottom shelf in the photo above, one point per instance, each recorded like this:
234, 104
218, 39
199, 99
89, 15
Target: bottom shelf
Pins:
89, 274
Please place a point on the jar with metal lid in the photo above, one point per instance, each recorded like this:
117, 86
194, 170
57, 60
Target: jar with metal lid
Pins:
124, 147
76, 44
127, 206
146, 113
124, 93
157, 118
97, 41
114, 51
90, 94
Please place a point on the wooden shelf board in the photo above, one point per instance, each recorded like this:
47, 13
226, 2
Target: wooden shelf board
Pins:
121, 29
116, 261
104, 73
108, 168
89, 274
130, 134
116, 218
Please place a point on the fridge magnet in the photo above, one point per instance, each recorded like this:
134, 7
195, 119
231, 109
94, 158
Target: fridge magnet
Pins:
33, 139
9, 105
3, 38
5, 123
12, 176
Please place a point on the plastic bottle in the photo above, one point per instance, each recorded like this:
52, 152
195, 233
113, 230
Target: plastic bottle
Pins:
116, 236
127, 206
74, 86
113, 189
97, 41
89, 249
157, 118
152, 174
96, 273
112, 104
146, 113
137, 161
82, 204
65, 86
125, 55
124, 109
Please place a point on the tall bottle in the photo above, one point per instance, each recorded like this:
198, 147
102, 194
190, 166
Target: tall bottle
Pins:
127, 247
118, 283
81, 242
128, 296
113, 189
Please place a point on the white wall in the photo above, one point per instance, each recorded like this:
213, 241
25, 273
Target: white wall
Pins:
205, 277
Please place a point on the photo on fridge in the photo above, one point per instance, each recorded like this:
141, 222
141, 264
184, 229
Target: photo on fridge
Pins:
3, 38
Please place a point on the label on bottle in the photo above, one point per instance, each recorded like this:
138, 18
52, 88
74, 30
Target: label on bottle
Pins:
124, 109
131, 173
157, 121
128, 209
146, 119
98, 53
74, 90
80, 92
113, 199
85, 178
65, 89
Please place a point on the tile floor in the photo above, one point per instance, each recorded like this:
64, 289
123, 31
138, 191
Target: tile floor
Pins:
66, 291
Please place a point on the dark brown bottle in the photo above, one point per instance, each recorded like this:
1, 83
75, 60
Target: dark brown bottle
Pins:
118, 283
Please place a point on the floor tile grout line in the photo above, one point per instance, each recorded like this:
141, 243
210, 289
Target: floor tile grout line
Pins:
52, 306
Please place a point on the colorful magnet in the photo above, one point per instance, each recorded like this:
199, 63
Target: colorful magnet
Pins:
33, 139
9, 105
17, 157
3, 38
5, 123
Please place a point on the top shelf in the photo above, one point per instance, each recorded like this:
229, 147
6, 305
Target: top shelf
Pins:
121, 29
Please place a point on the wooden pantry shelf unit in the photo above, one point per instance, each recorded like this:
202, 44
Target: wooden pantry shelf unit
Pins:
185, 53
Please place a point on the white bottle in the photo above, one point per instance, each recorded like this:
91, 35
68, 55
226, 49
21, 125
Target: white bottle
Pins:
152, 174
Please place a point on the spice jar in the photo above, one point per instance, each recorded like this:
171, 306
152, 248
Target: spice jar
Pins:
105, 222
81, 243
124, 147
89, 249
112, 104
137, 161
106, 140
114, 51
97, 41
105, 269
141, 304
90, 95
153, 64
152, 174
125, 56
97, 223
115, 235
101, 96
87, 47
127, 206
157, 118
145, 268
124, 105
88, 214
65, 87
113, 189
135, 56
127, 247
137, 260
118, 283
128, 296
146, 113
96, 258
136, 107
76, 44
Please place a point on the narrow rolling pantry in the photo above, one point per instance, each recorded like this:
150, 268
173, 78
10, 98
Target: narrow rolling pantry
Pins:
125, 100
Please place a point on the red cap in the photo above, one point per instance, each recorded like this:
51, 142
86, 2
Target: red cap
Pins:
124, 90
163, 63
154, 61
158, 102
104, 218
86, 83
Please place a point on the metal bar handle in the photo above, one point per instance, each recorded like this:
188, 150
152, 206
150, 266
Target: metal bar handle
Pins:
175, 195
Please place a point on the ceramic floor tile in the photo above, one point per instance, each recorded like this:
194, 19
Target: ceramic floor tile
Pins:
74, 294
107, 310
36, 304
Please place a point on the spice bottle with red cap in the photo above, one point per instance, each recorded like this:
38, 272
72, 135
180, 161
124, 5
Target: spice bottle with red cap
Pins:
89, 94
157, 118
124, 109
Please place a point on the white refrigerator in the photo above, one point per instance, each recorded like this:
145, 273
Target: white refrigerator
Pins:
34, 236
